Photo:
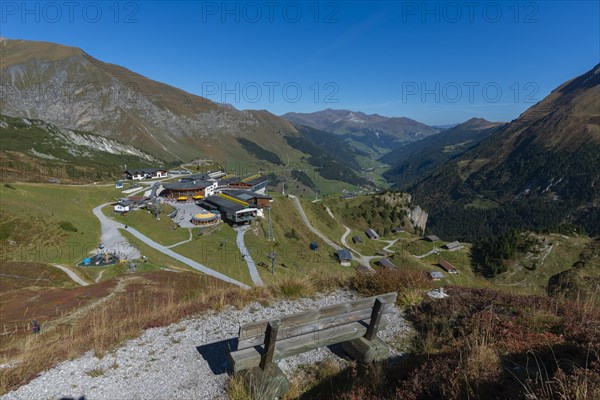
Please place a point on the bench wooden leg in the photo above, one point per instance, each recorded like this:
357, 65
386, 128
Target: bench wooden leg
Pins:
366, 351
270, 340
369, 348
266, 384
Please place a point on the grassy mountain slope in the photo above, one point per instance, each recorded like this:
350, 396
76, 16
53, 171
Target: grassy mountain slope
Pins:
414, 160
32, 150
71, 89
538, 171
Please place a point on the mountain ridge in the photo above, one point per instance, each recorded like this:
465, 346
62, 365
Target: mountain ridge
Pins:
536, 172
69, 88
376, 133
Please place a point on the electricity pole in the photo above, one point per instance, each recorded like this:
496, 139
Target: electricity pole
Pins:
272, 257
270, 225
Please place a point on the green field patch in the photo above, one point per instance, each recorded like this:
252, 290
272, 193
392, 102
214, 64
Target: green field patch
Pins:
50, 223
219, 252
163, 230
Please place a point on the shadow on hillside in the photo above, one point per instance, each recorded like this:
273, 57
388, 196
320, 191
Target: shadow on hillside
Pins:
216, 354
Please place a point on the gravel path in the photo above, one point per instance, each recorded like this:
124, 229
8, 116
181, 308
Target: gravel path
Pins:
72, 275
185, 241
186, 360
112, 238
246, 256
110, 234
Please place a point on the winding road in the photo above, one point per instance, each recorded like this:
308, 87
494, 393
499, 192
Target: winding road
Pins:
309, 225
246, 255
364, 260
113, 240
72, 275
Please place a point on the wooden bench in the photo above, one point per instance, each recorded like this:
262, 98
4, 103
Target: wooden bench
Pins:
353, 324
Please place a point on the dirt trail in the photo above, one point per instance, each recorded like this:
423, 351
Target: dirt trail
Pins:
72, 275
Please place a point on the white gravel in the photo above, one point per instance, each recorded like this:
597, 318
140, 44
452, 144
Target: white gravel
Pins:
165, 362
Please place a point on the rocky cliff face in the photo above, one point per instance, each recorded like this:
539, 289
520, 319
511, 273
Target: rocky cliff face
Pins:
36, 151
82, 144
418, 217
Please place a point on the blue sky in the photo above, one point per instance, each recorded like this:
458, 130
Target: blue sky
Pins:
436, 62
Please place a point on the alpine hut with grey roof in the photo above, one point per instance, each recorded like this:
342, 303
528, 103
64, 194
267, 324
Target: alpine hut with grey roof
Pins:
432, 238
371, 234
344, 257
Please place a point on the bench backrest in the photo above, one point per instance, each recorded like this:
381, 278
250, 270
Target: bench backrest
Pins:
301, 332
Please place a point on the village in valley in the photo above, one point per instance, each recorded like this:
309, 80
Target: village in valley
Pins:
210, 200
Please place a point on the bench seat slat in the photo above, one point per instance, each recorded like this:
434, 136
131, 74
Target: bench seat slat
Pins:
250, 357
257, 328
320, 324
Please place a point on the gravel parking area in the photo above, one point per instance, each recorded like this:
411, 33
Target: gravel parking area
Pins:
185, 212
186, 360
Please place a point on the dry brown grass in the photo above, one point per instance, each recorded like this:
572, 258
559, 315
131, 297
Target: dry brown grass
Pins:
409, 284
143, 303
139, 302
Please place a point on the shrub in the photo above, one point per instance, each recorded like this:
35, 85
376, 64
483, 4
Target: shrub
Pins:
295, 287
408, 283
67, 226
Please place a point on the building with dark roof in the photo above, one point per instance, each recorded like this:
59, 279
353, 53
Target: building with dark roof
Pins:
230, 210
397, 229
123, 206
257, 199
146, 173
453, 246
344, 257
446, 266
371, 234
255, 183
356, 239
387, 264
188, 189
432, 238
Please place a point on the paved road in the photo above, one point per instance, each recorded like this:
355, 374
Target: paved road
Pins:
246, 255
309, 225
364, 260
110, 228
435, 250
72, 275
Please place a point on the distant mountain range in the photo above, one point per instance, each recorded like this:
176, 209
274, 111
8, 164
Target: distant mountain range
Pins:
370, 133
536, 172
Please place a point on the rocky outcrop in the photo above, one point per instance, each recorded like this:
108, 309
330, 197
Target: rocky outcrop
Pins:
418, 217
